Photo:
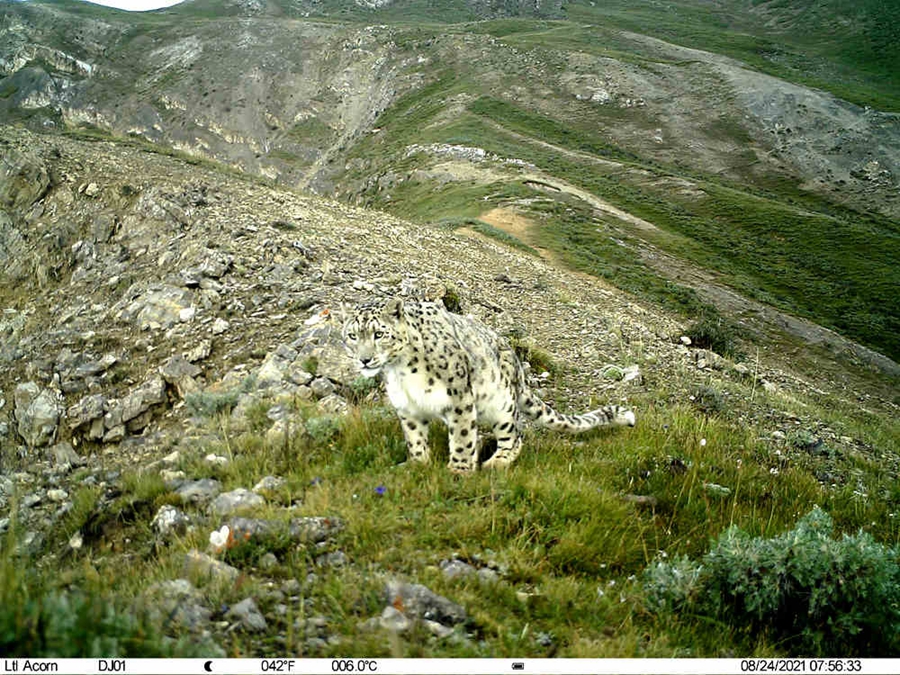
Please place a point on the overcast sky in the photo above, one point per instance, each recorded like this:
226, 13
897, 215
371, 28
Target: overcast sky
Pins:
137, 5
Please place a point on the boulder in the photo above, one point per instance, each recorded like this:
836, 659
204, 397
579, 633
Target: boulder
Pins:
37, 414
23, 179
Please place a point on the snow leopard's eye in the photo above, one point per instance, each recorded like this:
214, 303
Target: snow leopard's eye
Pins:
379, 334
351, 336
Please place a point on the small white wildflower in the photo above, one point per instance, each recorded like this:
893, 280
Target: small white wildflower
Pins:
219, 538
702, 442
773, 471
600, 592
611, 583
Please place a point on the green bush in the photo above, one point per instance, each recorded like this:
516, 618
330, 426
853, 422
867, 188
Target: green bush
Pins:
714, 332
815, 594
38, 621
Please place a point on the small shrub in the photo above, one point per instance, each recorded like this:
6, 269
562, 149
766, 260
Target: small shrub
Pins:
323, 429
452, 301
360, 388
817, 595
39, 620
712, 331
311, 365
671, 585
709, 400
539, 360
208, 404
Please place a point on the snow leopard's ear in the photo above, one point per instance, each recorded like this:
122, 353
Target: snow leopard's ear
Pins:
394, 308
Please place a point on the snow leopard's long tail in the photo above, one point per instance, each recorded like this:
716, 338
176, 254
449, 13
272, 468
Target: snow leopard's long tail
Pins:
543, 414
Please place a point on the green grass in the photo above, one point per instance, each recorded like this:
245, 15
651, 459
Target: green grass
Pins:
489, 230
558, 524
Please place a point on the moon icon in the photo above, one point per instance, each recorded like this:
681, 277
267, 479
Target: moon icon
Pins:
207, 666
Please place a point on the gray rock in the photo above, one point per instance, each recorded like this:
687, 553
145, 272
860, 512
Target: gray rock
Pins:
439, 630
247, 614
215, 264
172, 479
115, 434
97, 367
324, 344
88, 409
314, 529
268, 561
420, 602
488, 576
246, 528
199, 491
200, 352
190, 277
64, 454
57, 495
180, 373
544, 639
236, 500
37, 414
332, 559
219, 326
197, 564
394, 620
297, 375
274, 367
150, 393
159, 309
14, 251
269, 485
170, 520
178, 602
291, 587
24, 179
322, 387
456, 568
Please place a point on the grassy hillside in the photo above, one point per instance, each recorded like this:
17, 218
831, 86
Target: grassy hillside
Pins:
802, 255
579, 535
846, 47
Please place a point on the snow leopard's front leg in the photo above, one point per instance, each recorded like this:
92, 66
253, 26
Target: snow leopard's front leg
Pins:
416, 433
461, 424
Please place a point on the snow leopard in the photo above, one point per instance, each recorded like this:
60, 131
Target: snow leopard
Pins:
437, 365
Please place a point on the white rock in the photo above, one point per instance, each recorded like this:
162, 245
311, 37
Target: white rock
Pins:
219, 326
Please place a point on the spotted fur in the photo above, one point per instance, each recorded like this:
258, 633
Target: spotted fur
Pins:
438, 365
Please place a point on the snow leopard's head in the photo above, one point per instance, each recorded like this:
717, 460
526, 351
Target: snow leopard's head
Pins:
375, 334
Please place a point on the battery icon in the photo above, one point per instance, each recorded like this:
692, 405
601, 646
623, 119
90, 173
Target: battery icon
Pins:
518, 665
